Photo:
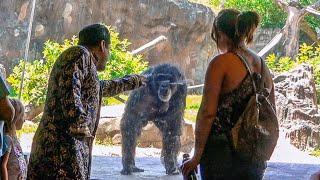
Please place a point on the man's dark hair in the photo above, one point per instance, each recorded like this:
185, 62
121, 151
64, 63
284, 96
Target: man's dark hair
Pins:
91, 35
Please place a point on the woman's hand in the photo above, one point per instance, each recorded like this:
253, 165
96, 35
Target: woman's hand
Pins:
189, 166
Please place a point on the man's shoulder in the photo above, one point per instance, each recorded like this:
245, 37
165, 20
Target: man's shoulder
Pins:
73, 54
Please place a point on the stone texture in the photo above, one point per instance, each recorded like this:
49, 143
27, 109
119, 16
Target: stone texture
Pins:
2, 71
109, 128
297, 107
186, 25
262, 37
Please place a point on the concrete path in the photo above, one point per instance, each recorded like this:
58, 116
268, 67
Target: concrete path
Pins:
286, 163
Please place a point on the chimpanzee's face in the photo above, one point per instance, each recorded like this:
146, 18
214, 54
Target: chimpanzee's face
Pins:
167, 86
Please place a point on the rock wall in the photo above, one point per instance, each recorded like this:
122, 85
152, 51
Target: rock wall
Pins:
186, 25
109, 130
2, 71
262, 37
297, 107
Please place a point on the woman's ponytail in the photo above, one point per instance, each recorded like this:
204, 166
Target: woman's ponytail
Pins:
246, 24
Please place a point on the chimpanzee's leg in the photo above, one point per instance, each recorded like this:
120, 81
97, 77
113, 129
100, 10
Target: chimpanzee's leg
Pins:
130, 130
170, 126
170, 151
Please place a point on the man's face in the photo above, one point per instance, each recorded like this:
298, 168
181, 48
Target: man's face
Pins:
103, 56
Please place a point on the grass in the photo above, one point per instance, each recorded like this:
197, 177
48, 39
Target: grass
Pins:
27, 129
316, 152
112, 101
192, 105
105, 142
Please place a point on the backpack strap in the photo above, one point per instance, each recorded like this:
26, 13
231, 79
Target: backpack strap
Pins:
262, 71
245, 62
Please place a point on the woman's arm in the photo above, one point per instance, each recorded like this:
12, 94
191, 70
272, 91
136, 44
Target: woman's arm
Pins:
207, 112
4, 169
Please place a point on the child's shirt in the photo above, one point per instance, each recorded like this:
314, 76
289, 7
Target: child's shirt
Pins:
17, 166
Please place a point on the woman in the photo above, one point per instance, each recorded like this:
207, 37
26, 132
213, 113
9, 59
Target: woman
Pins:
227, 89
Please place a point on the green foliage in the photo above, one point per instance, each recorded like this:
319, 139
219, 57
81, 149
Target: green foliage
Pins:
120, 63
271, 15
279, 65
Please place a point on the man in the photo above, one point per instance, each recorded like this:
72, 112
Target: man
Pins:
6, 109
62, 144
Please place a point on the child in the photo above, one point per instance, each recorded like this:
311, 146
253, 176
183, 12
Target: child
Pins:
13, 165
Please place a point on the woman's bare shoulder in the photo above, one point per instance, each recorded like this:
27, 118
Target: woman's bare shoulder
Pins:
221, 58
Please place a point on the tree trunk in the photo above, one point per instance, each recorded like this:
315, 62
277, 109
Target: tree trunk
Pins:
291, 32
289, 43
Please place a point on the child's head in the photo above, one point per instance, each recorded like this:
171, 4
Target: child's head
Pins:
18, 119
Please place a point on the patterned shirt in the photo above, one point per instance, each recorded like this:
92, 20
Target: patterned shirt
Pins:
73, 100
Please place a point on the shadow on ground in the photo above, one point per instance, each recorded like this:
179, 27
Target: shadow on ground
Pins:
108, 168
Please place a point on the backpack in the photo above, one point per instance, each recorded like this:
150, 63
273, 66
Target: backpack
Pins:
256, 132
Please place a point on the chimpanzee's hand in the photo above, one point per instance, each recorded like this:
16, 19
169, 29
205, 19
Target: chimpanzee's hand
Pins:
143, 80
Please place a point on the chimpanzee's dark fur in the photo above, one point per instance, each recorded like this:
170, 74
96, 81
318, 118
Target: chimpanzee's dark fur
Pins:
145, 105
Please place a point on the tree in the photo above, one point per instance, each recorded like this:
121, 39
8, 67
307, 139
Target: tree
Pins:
290, 32
291, 16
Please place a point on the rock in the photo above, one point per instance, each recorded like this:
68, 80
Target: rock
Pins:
186, 25
297, 108
31, 111
2, 71
109, 128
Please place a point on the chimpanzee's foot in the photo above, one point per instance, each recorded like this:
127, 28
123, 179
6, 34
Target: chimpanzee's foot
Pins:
173, 171
136, 169
126, 171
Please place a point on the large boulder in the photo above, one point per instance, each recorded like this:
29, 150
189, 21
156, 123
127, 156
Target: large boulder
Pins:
186, 25
297, 107
109, 129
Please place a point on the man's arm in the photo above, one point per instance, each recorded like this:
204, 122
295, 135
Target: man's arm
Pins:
113, 87
6, 109
70, 83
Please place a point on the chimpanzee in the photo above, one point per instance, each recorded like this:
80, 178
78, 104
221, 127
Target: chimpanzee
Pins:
161, 101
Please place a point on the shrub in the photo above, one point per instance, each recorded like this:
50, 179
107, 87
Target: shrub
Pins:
120, 63
307, 54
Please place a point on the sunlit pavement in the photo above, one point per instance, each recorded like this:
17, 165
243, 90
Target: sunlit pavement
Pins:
286, 163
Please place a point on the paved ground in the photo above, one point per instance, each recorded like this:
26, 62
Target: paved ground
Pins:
286, 163
105, 167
